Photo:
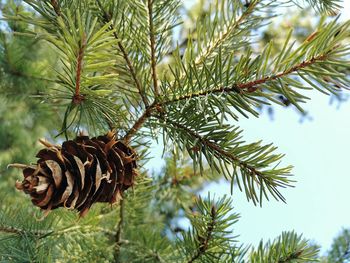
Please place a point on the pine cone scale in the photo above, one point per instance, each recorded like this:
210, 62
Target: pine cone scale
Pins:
81, 170
72, 200
56, 172
68, 190
84, 194
45, 201
114, 158
96, 150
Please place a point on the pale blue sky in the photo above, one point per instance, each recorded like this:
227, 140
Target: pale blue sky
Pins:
318, 207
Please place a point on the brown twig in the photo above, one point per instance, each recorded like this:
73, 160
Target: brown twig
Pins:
291, 257
18, 231
247, 87
56, 7
153, 49
204, 241
11, 230
78, 97
250, 86
139, 122
215, 43
122, 49
216, 148
157, 105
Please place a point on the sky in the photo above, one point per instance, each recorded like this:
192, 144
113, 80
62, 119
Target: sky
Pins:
318, 205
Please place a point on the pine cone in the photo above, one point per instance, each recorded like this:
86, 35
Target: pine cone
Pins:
81, 172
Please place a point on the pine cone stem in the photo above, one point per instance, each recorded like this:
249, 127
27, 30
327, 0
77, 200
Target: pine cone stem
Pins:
140, 122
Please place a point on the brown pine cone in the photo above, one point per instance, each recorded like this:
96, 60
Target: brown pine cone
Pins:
79, 173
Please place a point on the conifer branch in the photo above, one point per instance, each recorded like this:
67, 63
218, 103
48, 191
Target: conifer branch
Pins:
44, 233
252, 86
56, 7
139, 122
81, 228
153, 49
26, 76
217, 148
288, 247
11, 230
291, 257
122, 49
204, 241
240, 88
227, 30
18, 231
77, 98
150, 253
330, 7
222, 37
209, 240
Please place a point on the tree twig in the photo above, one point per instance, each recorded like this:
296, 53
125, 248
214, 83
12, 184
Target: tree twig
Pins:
18, 231
153, 49
251, 86
78, 98
140, 121
204, 241
212, 145
216, 42
291, 257
56, 7
122, 49
138, 246
248, 87
87, 229
156, 104
11, 230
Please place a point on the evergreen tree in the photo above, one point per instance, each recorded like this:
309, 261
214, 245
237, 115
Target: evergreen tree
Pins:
340, 250
70, 68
